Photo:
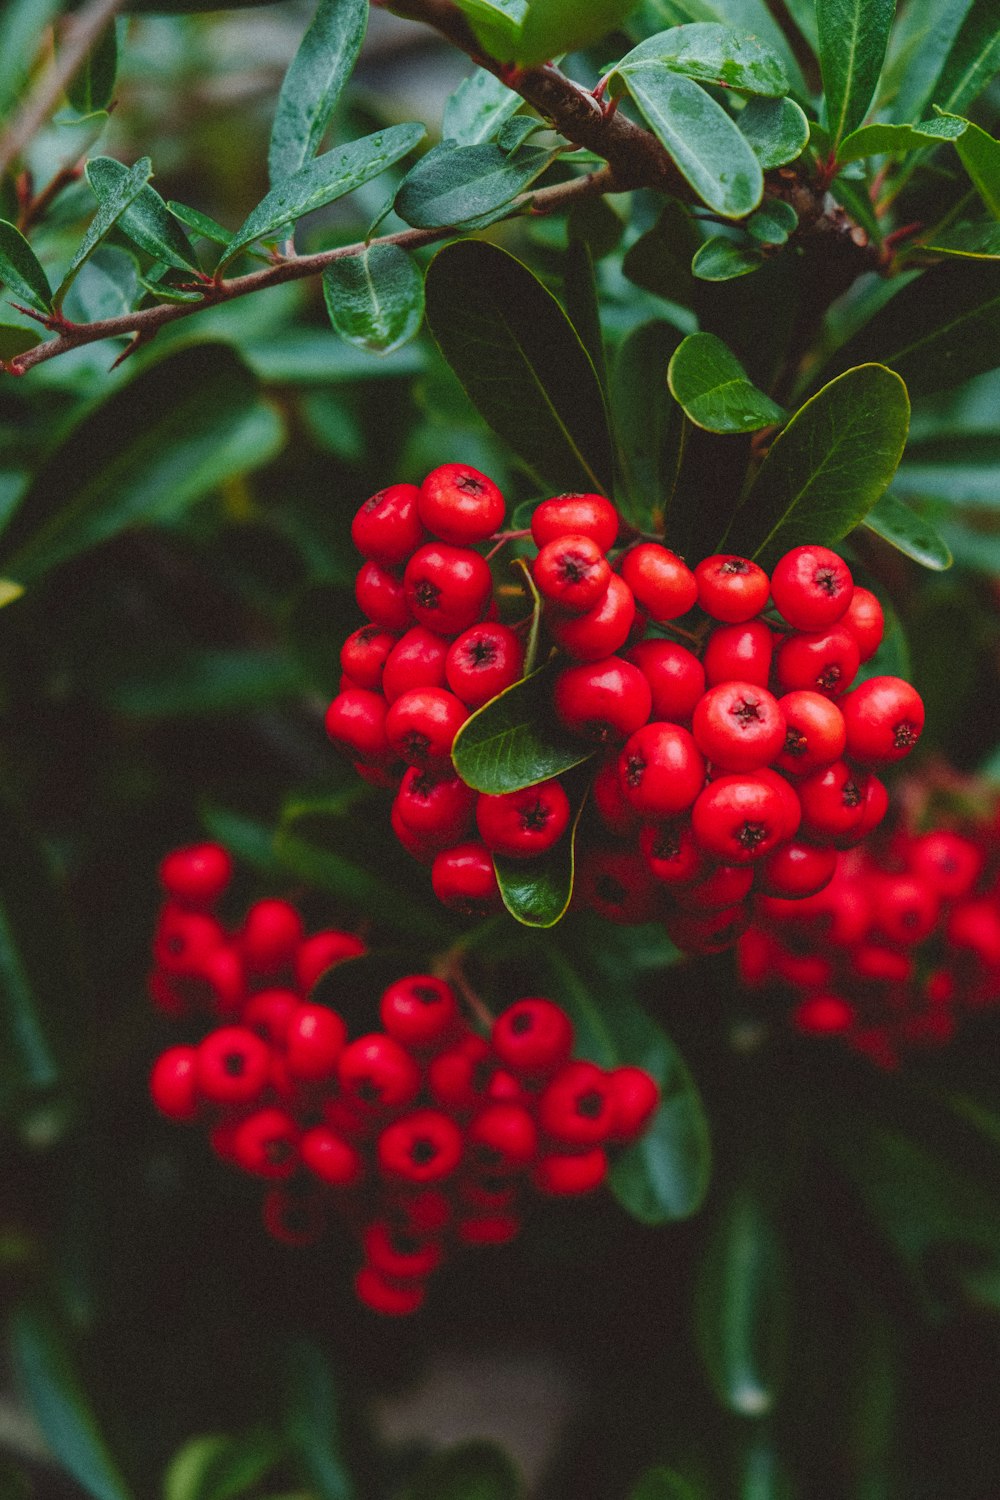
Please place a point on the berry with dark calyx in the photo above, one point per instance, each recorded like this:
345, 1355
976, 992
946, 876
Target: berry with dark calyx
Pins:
269, 1014
740, 653
815, 734
533, 1036
321, 952
355, 722
601, 631
184, 939
387, 528
270, 936
615, 884
732, 589
811, 587
576, 1108
522, 824
435, 806
946, 861
572, 572
393, 1299
173, 1084
447, 588
502, 1138
671, 852
417, 660
824, 661
400, 1254
363, 655
459, 1077
459, 504
675, 676
602, 700
314, 1043
738, 818
463, 878
420, 1011
197, 876
663, 585
583, 515
266, 1144
661, 770
376, 1072
421, 726
425, 1146
233, 1066
381, 596
833, 801
482, 661
884, 718
738, 726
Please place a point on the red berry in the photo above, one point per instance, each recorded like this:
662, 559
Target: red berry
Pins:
419, 1011
314, 1043
711, 932
946, 861
738, 726
722, 887
812, 587
906, 909
796, 868
464, 879
270, 936
814, 732
661, 770
398, 1253
865, 619
502, 1138
381, 596
740, 653
321, 952
559, 1175
184, 939
732, 589
447, 588
269, 1014
833, 801
616, 884
602, 630
198, 875
603, 700
884, 718
333, 1159
825, 661
522, 824
610, 802
392, 1299
266, 1144
387, 528
458, 504
416, 660
738, 818
425, 1146
363, 656
483, 661
662, 584
459, 1077
355, 721
173, 1083
421, 725
377, 1072
670, 851
435, 806
583, 515
576, 1107
572, 572
675, 675
233, 1066
823, 1015
533, 1035
635, 1096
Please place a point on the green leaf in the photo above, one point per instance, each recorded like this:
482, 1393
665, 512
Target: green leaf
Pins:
909, 533
713, 54
106, 287
965, 242
515, 741
776, 129
476, 110
200, 223
156, 444
827, 468
110, 210
496, 24
322, 181
921, 41
147, 221
46, 1375
660, 260
552, 27
662, 1484
375, 299
522, 364
723, 259
980, 155
885, 140
93, 85
937, 331
973, 60
313, 84
647, 423
353, 884
538, 891
853, 35
313, 1419
220, 1467
747, 17
24, 23
204, 682
20, 270
704, 142
581, 296
709, 383
960, 469
773, 222
475, 1470
465, 184
741, 1304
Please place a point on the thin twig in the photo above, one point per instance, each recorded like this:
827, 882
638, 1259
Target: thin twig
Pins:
82, 33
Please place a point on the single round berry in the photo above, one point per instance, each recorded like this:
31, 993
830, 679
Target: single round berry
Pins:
387, 527
421, 726
616, 884
464, 879
502, 1138
482, 661
355, 722
425, 1146
946, 861
330, 1157
233, 1066
173, 1084
815, 734
185, 939
824, 661
321, 952
533, 1036
675, 675
460, 505
603, 700
572, 572
198, 875
732, 589
833, 801
558, 1175
393, 1299
447, 588
582, 515
376, 1072
420, 1011
577, 1108
884, 718
738, 726
363, 656
797, 868
398, 1253
417, 660
661, 770
865, 619
635, 1096
523, 824
270, 936
739, 653
380, 595
811, 587
602, 630
435, 805
671, 852
459, 1077
269, 1013
738, 819
266, 1144
663, 585
314, 1043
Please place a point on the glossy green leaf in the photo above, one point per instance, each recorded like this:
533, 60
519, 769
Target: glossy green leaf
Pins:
323, 180
580, 294
106, 287
552, 27
313, 1419
707, 147
909, 533
660, 259
664, 1175
709, 383
24, 23
723, 259
20, 270
921, 39
496, 24
313, 84
741, 1303
885, 140
464, 184
750, 18
538, 891
776, 129
200, 223
937, 331
973, 61
376, 298
475, 1470
773, 222
647, 423
170, 435
50, 1384
110, 209
965, 242
93, 85
515, 741
662, 1484
827, 467
476, 110
147, 221
220, 1467
522, 364
853, 35
980, 155
713, 54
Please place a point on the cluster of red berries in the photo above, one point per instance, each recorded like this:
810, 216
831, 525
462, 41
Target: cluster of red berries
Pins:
422, 1136
733, 751
903, 941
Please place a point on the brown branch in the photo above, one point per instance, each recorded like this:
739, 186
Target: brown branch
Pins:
147, 322
83, 32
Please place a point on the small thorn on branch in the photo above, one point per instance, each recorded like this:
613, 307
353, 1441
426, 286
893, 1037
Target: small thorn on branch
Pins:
132, 347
